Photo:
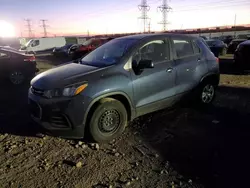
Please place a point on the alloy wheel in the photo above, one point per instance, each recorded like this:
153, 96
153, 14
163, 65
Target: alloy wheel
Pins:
207, 94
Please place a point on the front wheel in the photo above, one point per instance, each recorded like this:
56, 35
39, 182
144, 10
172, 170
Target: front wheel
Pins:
108, 120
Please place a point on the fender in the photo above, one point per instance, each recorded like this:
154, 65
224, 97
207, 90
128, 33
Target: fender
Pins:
107, 95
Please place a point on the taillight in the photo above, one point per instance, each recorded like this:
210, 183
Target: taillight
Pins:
217, 60
30, 58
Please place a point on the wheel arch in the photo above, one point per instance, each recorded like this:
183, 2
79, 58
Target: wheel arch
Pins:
120, 96
212, 77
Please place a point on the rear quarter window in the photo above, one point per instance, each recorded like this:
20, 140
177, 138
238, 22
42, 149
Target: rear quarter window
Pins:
196, 47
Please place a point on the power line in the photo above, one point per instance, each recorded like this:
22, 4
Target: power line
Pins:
164, 8
144, 8
44, 27
29, 27
215, 6
208, 3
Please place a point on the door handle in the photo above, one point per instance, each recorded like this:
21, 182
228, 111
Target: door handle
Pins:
169, 70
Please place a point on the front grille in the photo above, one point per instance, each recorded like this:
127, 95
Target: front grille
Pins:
36, 91
35, 109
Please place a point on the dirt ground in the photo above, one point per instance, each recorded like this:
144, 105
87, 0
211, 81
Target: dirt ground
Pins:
186, 147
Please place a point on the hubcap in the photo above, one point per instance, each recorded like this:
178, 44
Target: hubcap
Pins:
109, 121
207, 94
16, 77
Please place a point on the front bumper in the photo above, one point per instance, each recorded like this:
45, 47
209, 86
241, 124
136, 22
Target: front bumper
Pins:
62, 117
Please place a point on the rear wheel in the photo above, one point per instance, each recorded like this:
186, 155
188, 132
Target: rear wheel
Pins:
207, 94
108, 120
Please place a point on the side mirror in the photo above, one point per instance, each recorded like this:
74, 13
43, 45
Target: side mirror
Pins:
145, 64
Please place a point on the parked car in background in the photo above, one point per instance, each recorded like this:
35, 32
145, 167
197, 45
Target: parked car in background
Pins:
123, 79
243, 36
233, 45
242, 56
16, 67
43, 44
226, 39
62, 51
88, 46
204, 37
218, 47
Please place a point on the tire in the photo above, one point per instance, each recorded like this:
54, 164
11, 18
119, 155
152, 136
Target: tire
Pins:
206, 94
101, 126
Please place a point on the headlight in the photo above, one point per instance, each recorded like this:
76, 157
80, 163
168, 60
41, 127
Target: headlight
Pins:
65, 92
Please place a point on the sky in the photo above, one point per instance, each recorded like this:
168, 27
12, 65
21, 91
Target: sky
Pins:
69, 17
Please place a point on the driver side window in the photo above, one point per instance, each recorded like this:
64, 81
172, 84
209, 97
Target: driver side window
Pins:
156, 51
35, 43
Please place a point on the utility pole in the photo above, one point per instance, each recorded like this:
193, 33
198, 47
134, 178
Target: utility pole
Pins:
235, 17
164, 8
28, 21
144, 8
149, 27
44, 27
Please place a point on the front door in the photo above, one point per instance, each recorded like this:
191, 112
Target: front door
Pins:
153, 87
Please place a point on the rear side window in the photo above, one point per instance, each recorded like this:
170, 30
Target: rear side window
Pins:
183, 48
197, 49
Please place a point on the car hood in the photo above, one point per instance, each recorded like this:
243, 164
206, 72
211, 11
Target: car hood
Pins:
60, 76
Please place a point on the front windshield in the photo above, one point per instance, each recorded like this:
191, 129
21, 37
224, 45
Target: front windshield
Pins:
109, 53
29, 43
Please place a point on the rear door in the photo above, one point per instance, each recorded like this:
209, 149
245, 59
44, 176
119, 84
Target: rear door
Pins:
187, 57
154, 87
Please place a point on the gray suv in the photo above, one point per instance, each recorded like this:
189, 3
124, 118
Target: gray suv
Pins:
121, 80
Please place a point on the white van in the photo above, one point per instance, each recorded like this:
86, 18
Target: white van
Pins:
43, 44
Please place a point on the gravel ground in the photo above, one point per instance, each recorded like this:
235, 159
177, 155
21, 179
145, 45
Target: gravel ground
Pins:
185, 147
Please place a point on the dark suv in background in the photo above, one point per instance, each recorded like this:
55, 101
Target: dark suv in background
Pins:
121, 80
242, 56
